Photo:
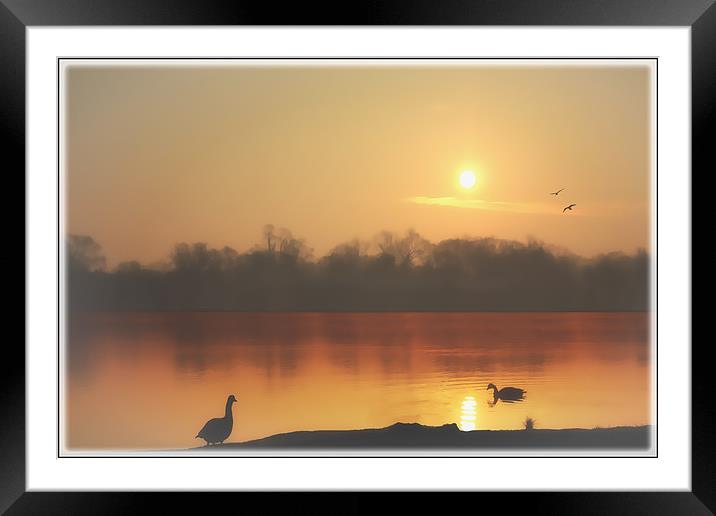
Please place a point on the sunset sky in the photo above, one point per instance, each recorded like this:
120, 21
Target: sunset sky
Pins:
160, 155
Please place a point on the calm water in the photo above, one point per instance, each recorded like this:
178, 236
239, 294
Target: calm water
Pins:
151, 380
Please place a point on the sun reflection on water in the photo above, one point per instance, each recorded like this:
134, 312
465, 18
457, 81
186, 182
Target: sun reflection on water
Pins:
469, 417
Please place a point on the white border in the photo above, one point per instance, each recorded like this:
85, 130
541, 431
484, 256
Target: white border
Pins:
671, 470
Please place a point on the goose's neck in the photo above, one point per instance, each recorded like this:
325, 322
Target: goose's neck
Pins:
227, 414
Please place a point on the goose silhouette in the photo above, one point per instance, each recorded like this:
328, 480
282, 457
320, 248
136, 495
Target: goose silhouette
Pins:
507, 394
218, 429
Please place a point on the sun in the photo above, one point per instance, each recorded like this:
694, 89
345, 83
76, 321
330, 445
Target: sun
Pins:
467, 179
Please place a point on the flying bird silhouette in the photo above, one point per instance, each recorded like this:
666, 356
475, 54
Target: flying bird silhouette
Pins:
568, 208
557, 192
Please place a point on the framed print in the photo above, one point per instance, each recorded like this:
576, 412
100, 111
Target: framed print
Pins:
381, 257
376, 345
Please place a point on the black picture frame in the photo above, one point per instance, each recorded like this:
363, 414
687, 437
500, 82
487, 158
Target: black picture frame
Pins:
17, 15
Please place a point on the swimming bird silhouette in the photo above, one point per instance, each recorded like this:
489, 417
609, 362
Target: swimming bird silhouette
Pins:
507, 394
557, 192
218, 429
569, 208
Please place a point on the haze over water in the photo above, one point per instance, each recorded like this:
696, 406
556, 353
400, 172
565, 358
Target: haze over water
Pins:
151, 380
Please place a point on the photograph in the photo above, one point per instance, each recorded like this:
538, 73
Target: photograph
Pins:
357, 257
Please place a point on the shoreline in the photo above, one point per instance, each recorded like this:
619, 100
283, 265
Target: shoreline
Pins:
449, 436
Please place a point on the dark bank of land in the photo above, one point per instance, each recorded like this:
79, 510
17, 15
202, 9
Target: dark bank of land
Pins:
414, 435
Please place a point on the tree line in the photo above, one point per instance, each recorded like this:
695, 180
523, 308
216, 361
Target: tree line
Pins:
401, 272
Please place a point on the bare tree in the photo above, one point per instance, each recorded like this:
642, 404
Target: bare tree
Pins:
84, 253
354, 248
269, 237
407, 250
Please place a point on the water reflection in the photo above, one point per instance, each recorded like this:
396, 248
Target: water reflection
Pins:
469, 414
388, 367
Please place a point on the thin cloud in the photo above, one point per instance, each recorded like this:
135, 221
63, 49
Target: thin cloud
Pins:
480, 204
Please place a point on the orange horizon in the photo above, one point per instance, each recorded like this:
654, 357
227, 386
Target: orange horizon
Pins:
161, 155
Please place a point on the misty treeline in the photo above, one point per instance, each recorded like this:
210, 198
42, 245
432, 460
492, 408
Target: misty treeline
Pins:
392, 272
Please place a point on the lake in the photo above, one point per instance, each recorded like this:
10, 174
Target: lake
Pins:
151, 380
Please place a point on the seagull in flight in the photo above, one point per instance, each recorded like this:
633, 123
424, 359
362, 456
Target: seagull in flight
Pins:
557, 192
569, 208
